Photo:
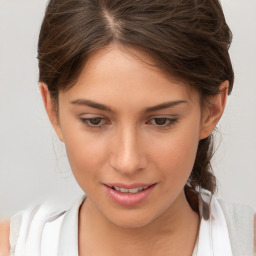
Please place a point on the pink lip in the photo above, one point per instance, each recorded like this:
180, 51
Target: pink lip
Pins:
128, 199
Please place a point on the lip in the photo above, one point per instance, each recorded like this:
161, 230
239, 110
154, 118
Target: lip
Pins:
128, 199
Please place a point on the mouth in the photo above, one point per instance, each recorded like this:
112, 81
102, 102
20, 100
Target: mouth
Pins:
130, 190
129, 195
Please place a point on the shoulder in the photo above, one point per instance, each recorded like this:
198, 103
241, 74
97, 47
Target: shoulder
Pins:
241, 222
4, 238
255, 233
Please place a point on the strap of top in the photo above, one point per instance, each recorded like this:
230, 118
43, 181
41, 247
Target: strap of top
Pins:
51, 236
213, 234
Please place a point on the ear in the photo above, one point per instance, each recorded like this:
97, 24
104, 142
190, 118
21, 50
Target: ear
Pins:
214, 111
50, 107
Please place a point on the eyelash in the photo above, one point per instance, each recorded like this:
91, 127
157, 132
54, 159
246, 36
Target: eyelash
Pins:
87, 121
171, 122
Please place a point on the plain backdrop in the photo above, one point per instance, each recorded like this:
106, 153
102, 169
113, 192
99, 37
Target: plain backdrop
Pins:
33, 164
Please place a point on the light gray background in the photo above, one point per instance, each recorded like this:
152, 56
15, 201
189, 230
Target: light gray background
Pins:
33, 165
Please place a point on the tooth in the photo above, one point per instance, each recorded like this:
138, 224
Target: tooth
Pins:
131, 190
134, 190
124, 190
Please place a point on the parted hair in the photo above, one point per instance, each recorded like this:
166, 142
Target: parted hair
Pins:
187, 39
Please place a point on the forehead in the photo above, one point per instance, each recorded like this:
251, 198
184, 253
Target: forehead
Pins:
124, 75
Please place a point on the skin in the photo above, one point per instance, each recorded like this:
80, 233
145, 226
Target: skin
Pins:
4, 238
255, 233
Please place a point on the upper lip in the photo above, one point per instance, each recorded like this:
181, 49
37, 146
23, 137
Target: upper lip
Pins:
129, 186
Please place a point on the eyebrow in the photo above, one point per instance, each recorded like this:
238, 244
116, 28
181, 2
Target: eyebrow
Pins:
93, 104
165, 105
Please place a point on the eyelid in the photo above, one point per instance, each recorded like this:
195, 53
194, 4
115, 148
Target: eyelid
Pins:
163, 116
171, 121
90, 115
86, 121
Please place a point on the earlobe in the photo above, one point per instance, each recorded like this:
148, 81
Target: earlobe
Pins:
214, 111
50, 108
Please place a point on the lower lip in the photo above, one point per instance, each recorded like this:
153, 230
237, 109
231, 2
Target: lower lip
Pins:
129, 199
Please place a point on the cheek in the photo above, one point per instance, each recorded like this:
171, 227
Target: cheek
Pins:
85, 153
175, 154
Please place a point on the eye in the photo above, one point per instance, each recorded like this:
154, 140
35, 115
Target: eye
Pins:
95, 122
162, 122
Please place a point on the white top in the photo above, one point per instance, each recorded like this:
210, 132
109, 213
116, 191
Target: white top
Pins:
41, 231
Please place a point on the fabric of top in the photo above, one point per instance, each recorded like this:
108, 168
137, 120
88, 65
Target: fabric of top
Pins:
43, 231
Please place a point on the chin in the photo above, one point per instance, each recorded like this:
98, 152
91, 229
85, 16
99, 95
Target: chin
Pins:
132, 219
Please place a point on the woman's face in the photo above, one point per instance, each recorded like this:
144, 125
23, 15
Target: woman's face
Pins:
131, 136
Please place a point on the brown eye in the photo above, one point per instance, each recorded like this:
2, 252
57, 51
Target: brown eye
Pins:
95, 121
161, 121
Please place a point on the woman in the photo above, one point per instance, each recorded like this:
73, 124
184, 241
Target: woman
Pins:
135, 89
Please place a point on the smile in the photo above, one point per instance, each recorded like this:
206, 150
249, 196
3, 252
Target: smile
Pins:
129, 190
131, 195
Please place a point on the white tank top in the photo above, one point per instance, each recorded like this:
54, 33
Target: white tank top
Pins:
41, 231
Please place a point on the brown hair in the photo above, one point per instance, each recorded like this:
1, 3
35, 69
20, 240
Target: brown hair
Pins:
188, 39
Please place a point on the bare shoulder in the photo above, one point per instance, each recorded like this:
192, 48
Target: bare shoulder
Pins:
255, 233
4, 238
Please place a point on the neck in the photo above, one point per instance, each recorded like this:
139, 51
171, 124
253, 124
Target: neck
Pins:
174, 232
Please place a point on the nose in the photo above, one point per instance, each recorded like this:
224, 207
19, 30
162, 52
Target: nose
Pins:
127, 154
